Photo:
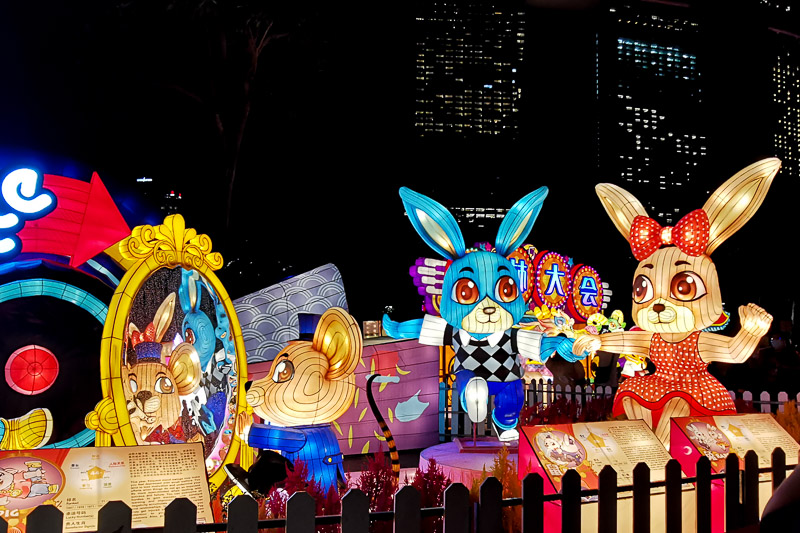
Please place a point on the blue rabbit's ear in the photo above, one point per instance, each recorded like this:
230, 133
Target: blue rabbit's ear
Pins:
518, 222
189, 291
434, 223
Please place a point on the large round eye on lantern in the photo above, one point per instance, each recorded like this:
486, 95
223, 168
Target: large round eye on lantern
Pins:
284, 371
164, 385
465, 291
642, 289
687, 286
506, 289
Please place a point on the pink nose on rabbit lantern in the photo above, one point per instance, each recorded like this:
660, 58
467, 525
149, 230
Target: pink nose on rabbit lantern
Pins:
676, 296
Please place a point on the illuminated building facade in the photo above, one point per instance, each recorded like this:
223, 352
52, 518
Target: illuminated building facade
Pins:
478, 217
468, 58
650, 93
786, 100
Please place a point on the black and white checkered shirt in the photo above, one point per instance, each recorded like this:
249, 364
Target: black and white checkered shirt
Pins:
494, 358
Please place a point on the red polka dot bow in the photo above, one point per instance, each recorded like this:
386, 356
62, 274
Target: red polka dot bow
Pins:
690, 235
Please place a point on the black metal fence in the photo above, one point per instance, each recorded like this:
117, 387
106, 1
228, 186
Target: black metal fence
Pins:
460, 515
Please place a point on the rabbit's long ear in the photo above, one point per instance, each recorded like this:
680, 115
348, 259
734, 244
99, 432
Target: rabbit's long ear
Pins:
622, 207
738, 199
434, 223
188, 292
518, 222
163, 316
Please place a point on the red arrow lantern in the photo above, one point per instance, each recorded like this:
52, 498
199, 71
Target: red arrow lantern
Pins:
85, 221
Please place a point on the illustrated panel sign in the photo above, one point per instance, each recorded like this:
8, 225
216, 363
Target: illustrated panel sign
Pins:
80, 481
717, 436
408, 401
588, 447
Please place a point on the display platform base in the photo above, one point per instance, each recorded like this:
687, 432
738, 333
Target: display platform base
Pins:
484, 445
460, 467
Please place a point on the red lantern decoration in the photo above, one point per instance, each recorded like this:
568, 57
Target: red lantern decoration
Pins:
31, 370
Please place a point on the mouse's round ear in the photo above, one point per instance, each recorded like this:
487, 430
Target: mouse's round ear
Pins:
737, 200
184, 363
622, 207
339, 338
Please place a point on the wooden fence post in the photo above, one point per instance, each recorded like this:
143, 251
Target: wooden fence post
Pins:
607, 500
765, 405
45, 519
703, 495
456, 509
407, 516
733, 509
778, 468
490, 510
782, 399
114, 517
750, 490
674, 497
571, 502
180, 516
533, 504
355, 512
641, 498
301, 510
243, 515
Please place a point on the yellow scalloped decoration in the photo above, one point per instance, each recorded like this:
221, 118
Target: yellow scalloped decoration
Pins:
361, 416
379, 437
365, 449
391, 414
383, 386
338, 428
355, 399
350, 437
401, 371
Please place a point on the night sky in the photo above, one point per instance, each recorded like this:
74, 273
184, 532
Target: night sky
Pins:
114, 88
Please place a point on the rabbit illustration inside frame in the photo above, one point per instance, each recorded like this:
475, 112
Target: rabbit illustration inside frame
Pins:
177, 388
156, 386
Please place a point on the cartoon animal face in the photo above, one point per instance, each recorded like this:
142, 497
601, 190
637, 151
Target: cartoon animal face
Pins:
676, 287
674, 293
153, 388
6, 477
484, 294
480, 291
311, 382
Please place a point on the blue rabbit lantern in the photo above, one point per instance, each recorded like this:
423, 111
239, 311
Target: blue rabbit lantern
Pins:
481, 302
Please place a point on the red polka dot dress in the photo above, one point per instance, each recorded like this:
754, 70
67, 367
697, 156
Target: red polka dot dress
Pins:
680, 373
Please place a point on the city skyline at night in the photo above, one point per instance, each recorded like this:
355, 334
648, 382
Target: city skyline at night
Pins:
334, 128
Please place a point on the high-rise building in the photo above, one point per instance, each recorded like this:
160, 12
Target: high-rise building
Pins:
786, 100
478, 217
650, 137
468, 60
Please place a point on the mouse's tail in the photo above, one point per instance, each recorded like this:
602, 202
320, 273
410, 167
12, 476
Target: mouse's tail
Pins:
387, 433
